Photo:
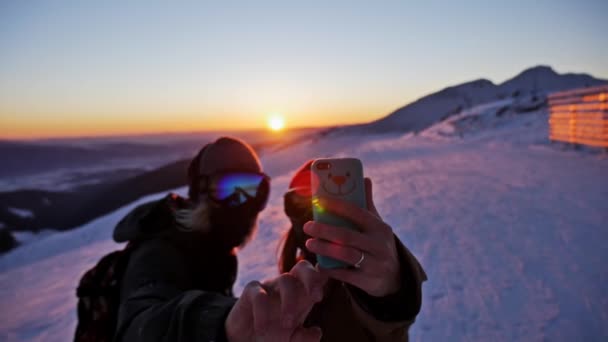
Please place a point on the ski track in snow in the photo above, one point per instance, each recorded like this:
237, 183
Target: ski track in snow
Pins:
511, 232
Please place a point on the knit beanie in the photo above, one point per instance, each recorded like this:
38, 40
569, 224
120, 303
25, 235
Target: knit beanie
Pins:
226, 153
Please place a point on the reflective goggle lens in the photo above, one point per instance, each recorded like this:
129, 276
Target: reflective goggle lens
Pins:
239, 187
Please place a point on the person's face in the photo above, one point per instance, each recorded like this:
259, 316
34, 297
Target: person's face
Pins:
229, 225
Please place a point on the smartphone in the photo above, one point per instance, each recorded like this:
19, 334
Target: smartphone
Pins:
340, 178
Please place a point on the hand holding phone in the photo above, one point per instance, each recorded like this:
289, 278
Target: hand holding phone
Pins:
353, 235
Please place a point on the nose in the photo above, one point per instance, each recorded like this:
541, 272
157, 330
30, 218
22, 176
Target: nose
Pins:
339, 180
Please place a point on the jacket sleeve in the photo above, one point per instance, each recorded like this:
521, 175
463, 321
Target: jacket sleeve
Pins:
389, 318
158, 303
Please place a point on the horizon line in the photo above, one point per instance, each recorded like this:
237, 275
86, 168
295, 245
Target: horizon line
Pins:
150, 134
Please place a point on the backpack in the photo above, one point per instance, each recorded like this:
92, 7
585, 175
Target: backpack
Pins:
98, 295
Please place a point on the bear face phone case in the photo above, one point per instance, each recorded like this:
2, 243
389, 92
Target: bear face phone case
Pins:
340, 178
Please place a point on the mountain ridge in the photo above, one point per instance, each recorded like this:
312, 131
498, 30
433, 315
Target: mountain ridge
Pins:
427, 110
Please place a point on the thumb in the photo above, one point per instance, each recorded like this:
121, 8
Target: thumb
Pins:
369, 197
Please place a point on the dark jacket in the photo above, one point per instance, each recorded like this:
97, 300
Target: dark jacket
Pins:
177, 287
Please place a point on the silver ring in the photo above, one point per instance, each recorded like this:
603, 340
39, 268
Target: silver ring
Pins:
358, 264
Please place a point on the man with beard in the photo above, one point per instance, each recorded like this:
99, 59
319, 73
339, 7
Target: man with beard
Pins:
178, 283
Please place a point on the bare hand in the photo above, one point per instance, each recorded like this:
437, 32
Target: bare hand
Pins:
378, 274
299, 290
276, 309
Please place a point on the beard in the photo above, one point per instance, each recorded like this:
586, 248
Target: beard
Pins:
224, 228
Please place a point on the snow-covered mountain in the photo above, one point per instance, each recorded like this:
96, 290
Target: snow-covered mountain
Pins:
422, 113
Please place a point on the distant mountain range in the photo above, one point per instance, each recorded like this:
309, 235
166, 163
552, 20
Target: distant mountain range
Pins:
31, 158
68, 163
424, 112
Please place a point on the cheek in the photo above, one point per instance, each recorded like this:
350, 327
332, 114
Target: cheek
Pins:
200, 217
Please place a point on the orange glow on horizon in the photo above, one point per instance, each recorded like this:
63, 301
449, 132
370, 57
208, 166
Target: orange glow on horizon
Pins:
79, 129
53, 125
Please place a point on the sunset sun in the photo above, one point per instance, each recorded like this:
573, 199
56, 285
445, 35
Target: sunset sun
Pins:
276, 122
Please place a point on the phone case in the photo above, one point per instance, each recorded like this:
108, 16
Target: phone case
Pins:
343, 180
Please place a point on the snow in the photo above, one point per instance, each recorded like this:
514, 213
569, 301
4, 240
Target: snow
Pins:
28, 237
510, 229
23, 213
448, 126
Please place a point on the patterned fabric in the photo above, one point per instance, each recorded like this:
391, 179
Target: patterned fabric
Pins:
98, 297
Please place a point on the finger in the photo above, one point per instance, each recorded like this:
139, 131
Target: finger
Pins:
369, 196
341, 236
291, 292
311, 278
301, 334
363, 218
347, 254
260, 304
349, 276
372, 284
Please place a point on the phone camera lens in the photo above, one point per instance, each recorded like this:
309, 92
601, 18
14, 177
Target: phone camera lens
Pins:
323, 166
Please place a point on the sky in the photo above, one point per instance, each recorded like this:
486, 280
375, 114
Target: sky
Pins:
84, 68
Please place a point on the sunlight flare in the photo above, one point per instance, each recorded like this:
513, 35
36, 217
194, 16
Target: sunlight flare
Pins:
276, 122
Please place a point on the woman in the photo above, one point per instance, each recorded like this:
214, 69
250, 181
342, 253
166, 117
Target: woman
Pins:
376, 299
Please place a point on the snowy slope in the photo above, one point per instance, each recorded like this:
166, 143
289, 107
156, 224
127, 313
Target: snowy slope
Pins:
511, 231
432, 108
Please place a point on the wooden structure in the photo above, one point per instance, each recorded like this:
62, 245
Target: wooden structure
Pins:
580, 116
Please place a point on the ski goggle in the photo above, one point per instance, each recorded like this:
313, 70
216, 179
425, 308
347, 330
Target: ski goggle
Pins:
296, 205
235, 188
